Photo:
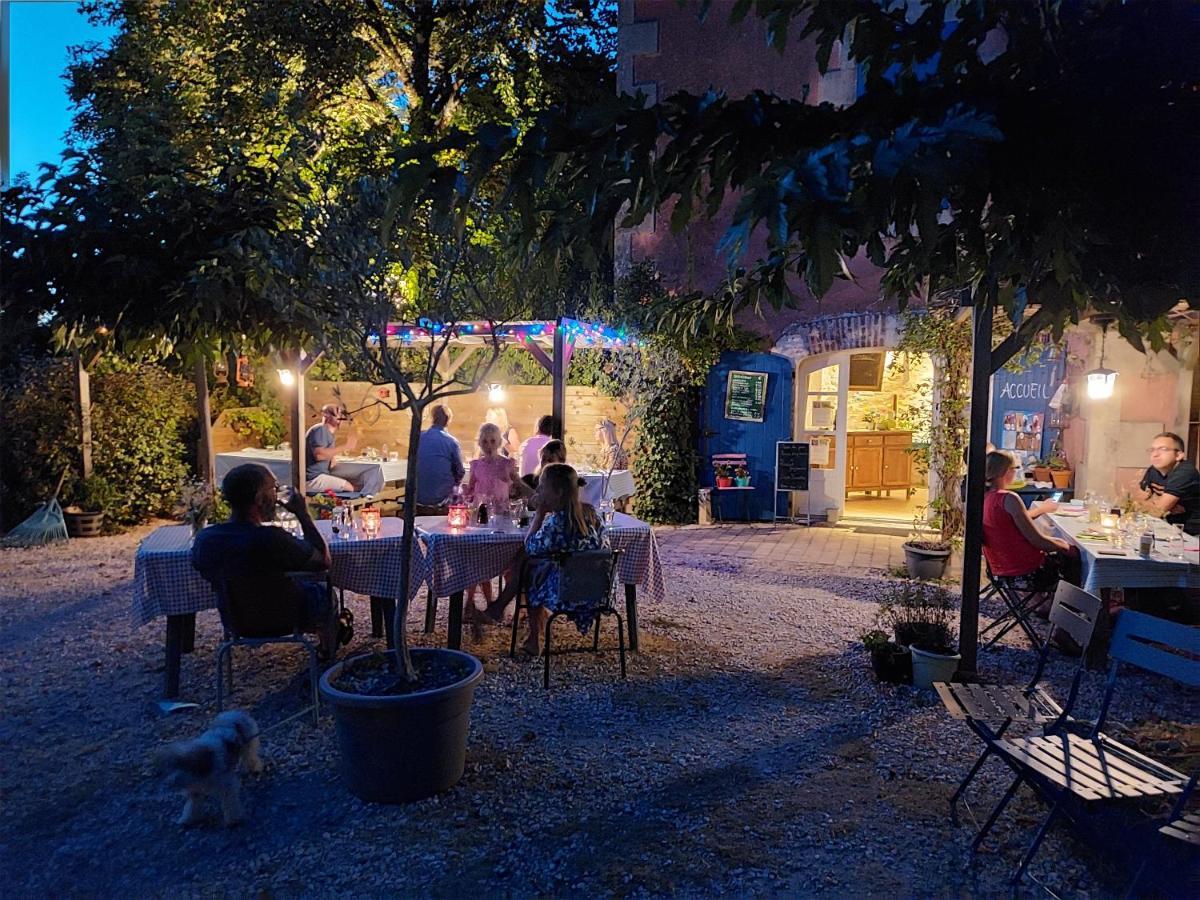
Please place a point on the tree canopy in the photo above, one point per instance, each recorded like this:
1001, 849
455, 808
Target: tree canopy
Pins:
1045, 153
208, 130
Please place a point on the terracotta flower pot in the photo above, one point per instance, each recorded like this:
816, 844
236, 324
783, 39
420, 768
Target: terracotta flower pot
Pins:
723, 482
1041, 473
1061, 477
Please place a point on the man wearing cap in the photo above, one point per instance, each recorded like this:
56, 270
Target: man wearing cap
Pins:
320, 457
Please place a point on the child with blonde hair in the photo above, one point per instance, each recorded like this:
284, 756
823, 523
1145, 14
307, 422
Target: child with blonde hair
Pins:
493, 479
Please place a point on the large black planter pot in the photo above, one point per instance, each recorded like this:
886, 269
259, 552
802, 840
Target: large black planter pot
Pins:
892, 664
926, 565
403, 748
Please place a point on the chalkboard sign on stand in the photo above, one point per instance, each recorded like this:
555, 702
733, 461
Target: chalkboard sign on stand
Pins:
792, 470
746, 396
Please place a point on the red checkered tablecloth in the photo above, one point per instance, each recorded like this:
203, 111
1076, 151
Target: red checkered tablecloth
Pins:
457, 559
165, 584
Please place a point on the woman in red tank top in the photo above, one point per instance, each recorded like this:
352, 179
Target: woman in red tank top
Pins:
1012, 544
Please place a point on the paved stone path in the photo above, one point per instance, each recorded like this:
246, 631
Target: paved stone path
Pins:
785, 546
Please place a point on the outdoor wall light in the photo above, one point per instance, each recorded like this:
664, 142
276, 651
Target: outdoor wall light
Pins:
1101, 381
495, 393
287, 377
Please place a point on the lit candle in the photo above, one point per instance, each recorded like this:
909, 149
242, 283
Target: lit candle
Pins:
370, 521
1108, 520
458, 515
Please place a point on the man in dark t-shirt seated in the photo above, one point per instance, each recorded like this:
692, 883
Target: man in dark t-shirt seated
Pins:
249, 559
1172, 483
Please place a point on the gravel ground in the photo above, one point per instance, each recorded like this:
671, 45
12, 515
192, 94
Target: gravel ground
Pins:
750, 752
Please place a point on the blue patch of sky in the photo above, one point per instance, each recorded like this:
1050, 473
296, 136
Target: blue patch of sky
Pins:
40, 34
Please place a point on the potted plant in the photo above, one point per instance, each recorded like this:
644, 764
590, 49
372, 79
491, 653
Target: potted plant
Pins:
927, 552
1041, 470
741, 476
724, 476
199, 504
89, 498
891, 662
1060, 472
920, 616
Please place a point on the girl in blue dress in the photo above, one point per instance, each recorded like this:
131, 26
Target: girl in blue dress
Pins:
562, 525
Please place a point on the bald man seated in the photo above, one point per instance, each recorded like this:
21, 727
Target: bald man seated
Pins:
320, 457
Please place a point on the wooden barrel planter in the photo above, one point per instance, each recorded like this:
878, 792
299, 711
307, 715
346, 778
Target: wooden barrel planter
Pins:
84, 524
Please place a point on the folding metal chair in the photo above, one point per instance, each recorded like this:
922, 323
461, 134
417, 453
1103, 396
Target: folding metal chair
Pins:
990, 709
587, 576
253, 615
1073, 774
1020, 604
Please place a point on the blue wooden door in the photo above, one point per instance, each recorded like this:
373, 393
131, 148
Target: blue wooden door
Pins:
757, 440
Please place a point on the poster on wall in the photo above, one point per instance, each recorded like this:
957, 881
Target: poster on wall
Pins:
746, 396
1024, 417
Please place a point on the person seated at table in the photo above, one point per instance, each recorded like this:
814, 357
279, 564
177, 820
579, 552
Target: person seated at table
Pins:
1013, 545
1170, 487
529, 450
612, 455
562, 525
246, 547
554, 451
320, 457
439, 463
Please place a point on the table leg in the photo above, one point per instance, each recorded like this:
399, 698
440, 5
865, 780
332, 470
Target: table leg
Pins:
376, 616
383, 617
176, 628
430, 611
1097, 655
189, 632
631, 616
454, 630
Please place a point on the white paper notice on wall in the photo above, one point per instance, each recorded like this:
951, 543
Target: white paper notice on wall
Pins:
819, 453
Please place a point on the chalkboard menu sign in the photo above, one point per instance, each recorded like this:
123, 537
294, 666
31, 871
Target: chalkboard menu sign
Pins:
746, 396
791, 466
866, 371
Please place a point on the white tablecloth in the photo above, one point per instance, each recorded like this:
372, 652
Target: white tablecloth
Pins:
165, 584
619, 485
1129, 569
457, 559
280, 464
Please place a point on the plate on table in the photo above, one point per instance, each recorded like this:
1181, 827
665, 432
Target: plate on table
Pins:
1071, 511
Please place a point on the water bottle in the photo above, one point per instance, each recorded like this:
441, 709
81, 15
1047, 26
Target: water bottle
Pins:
1146, 543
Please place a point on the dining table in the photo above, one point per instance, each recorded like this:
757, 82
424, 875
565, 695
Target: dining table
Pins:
372, 472
1174, 562
166, 585
458, 557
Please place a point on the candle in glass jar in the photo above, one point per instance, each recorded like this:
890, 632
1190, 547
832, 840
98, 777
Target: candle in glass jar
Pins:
371, 521
1108, 520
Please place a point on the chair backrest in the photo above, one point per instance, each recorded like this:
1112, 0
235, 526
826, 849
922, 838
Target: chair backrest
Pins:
257, 606
1074, 611
1156, 645
586, 576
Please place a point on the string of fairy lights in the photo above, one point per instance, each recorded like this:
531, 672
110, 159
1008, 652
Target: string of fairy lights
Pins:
581, 334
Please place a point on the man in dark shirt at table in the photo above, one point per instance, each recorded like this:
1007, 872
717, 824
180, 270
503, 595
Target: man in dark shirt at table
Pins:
1172, 483
257, 557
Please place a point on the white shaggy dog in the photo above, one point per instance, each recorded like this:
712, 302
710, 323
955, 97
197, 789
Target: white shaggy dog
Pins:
208, 765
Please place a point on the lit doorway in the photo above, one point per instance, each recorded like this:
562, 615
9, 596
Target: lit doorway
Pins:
888, 404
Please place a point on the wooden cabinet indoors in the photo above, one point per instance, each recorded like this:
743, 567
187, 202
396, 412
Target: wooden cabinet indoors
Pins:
879, 461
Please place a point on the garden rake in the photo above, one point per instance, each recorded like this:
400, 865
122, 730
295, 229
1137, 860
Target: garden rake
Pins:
45, 526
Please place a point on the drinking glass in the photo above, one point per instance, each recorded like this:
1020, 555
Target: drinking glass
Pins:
1178, 541
514, 514
607, 512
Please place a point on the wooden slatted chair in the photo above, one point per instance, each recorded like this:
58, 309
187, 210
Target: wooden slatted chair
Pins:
990, 709
1069, 771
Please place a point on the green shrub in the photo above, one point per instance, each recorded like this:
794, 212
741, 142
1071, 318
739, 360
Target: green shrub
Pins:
92, 494
41, 435
141, 415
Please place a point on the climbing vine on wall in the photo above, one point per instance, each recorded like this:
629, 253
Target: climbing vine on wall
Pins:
938, 334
